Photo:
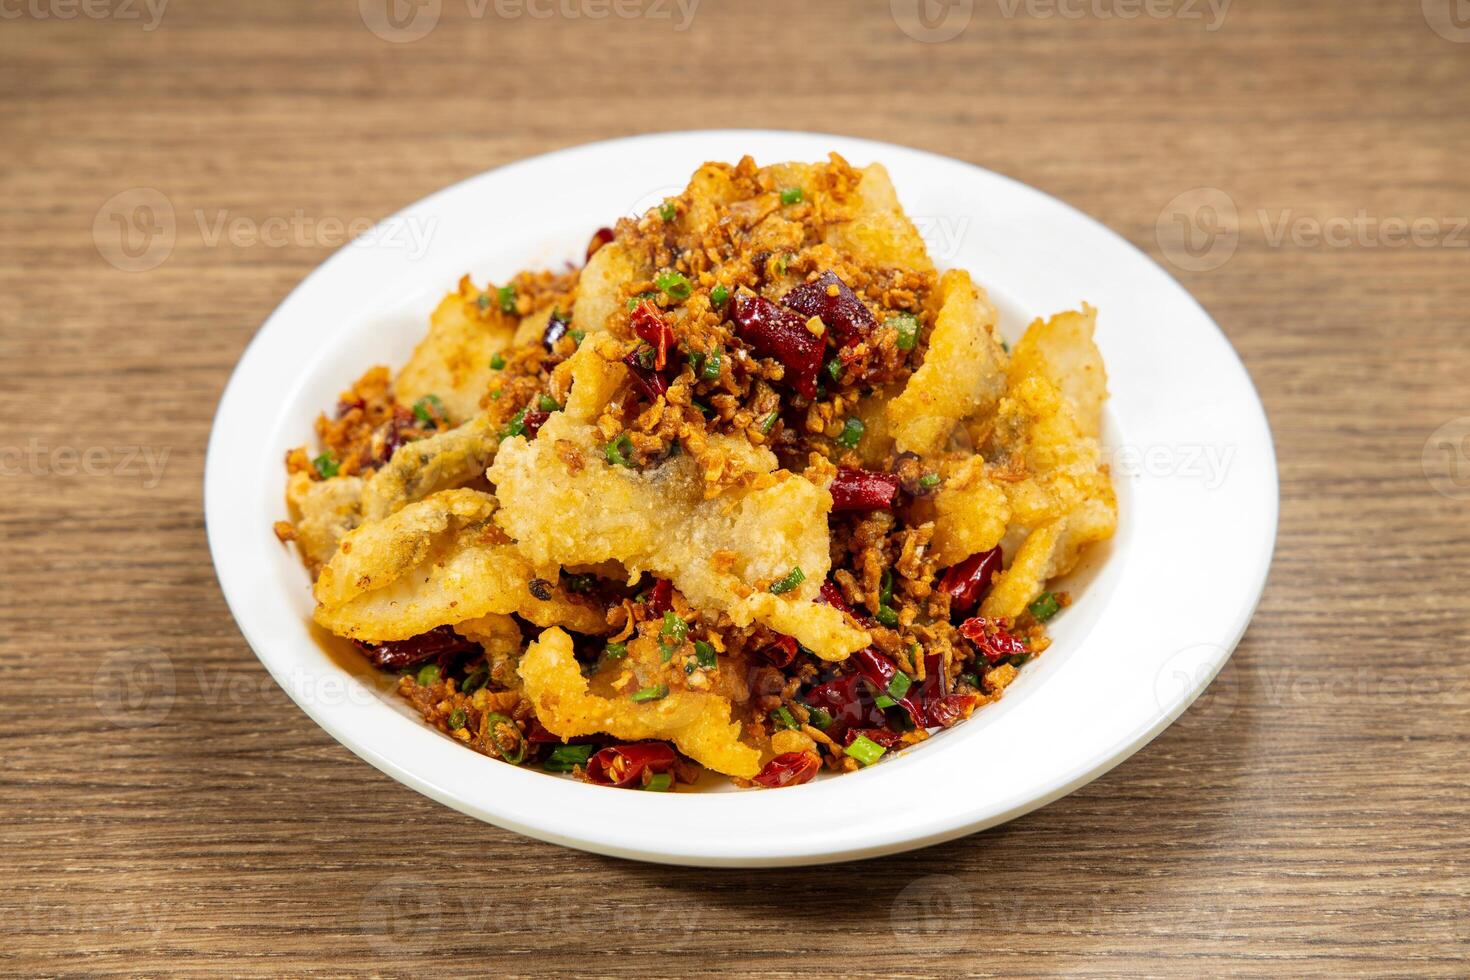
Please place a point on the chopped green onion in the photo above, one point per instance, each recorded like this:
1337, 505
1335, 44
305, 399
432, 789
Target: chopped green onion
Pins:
907, 326
696, 361
547, 404
428, 674
483, 302
819, 718
791, 195
1044, 607
674, 285
971, 679
667, 211
781, 264
672, 634
577, 336
835, 369
646, 357
618, 451
783, 718
719, 295
887, 615
659, 782
704, 409
326, 466
885, 588
852, 433
704, 653
768, 423
900, 685
517, 424
633, 301
581, 583
792, 579
456, 718
711, 369
617, 651
429, 410
564, 757
495, 395
507, 296
884, 701
497, 363
654, 693
929, 481
865, 750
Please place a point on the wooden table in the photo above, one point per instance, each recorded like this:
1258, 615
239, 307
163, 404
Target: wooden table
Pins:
166, 809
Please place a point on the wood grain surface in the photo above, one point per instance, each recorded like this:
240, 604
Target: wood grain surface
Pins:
166, 810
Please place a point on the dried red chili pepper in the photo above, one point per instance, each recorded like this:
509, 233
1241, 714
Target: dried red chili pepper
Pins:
650, 383
847, 700
661, 599
947, 711
600, 237
863, 490
789, 769
537, 734
775, 332
625, 765
649, 325
991, 638
879, 671
967, 582
533, 422
845, 315
832, 596
442, 644
782, 652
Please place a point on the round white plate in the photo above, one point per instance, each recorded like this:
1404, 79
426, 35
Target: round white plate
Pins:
1157, 611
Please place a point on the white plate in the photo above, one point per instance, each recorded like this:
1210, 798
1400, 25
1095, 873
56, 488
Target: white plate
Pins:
1157, 612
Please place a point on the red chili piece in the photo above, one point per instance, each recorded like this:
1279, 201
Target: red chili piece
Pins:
778, 333
649, 325
832, 596
662, 598
848, 701
863, 490
600, 237
650, 383
625, 765
441, 643
968, 581
533, 422
782, 652
789, 769
845, 315
948, 710
879, 671
992, 639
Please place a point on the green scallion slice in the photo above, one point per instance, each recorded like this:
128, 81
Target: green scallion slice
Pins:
819, 718
428, 674
564, 757
907, 326
835, 369
326, 467
929, 481
429, 410
704, 654
888, 616
507, 297
719, 295
659, 782
784, 718
852, 433
548, 404
618, 451
617, 651
653, 693
768, 423
711, 369
790, 581
497, 363
668, 211
865, 750
900, 685
791, 195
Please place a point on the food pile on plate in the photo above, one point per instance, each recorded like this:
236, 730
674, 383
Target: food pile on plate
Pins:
756, 490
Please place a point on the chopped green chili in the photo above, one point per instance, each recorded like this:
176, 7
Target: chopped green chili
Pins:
497, 363
456, 718
659, 782
791, 195
929, 481
887, 615
819, 718
326, 467
674, 285
429, 410
783, 718
711, 369
668, 211
548, 404
476, 680
617, 651
1044, 606
852, 433
507, 738
507, 297
719, 295
428, 674
618, 451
